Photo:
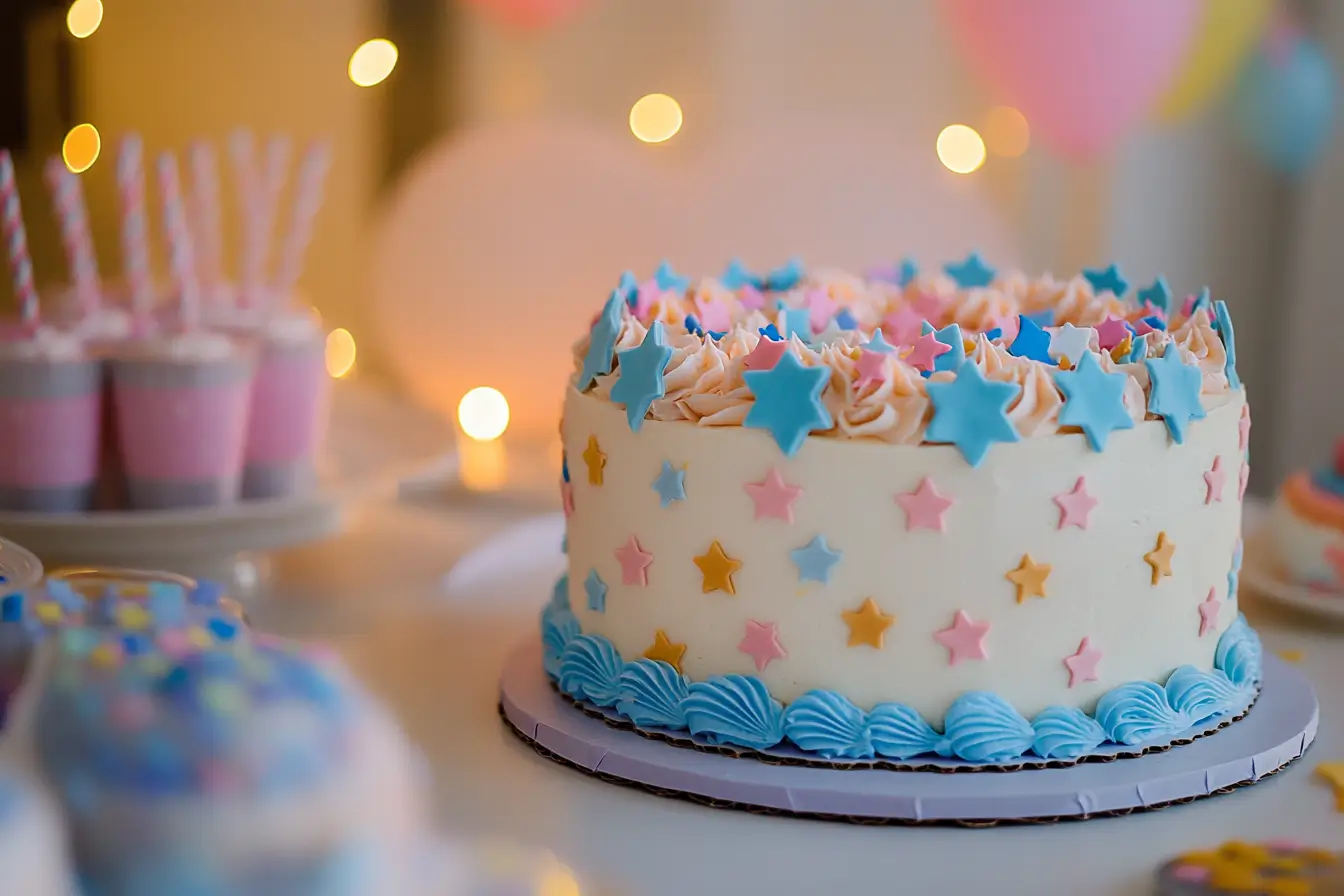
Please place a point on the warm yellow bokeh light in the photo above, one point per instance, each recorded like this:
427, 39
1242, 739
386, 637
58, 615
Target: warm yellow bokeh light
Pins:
483, 414
1007, 133
80, 148
960, 149
340, 352
558, 881
655, 118
372, 62
84, 17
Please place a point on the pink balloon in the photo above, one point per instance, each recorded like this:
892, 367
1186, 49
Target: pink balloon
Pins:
530, 15
1083, 72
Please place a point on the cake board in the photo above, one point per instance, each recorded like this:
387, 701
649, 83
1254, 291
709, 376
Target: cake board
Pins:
1277, 731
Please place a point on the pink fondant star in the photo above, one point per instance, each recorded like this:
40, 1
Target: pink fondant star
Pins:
1082, 665
1334, 555
773, 497
766, 354
964, 639
1244, 477
1244, 427
924, 507
713, 314
751, 298
1208, 613
929, 306
1188, 305
1111, 332
1007, 325
1075, 507
1151, 310
870, 368
761, 643
1215, 478
634, 562
649, 292
821, 308
1142, 328
926, 349
902, 326
567, 498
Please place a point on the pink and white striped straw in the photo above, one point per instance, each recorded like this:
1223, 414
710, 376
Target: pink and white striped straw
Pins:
307, 200
204, 206
265, 204
16, 245
71, 214
134, 227
180, 260
243, 154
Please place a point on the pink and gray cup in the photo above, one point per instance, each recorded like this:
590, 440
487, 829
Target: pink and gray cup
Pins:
289, 408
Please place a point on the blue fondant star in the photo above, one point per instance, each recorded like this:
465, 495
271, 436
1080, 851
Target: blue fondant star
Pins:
1044, 318
670, 484
597, 592
1031, 342
769, 331
564, 467
970, 412
167, 603
815, 560
1138, 351
1174, 395
1158, 295
907, 272
996, 333
1201, 301
788, 401
668, 279
641, 375
1222, 321
845, 320
1107, 279
1155, 322
971, 273
736, 276
879, 343
950, 336
785, 277
692, 325
602, 342
1093, 400
629, 287
560, 592
11, 608
796, 322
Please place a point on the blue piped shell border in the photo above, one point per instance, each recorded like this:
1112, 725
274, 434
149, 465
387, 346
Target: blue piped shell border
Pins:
979, 727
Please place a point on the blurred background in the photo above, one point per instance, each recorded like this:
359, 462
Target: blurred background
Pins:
497, 163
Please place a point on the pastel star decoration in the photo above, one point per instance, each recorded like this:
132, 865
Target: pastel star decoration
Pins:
879, 344
714, 313
1029, 578
668, 279
1208, 613
1215, 479
923, 355
971, 413
1031, 341
1175, 392
773, 497
766, 354
821, 308
595, 460
924, 507
635, 562
1075, 507
964, 639
788, 402
670, 484
815, 560
596, 589
1159, 558
907, 272
1222, 320
795, 322
785, 277
951, 337
664, 649
1244, 429
1082, 665
904, 324
970, 274
628, 286
761, 643
1158, 295
736, 276
871, 368
1070, 342
716, 569
1093, 400
602, 342
1111, 333
641, 375
1107, 279
867, 625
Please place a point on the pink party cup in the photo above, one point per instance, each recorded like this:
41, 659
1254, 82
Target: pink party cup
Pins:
182, 405
289, 409
50, 395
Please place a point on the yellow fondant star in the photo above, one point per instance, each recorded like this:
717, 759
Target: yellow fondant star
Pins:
664, 649
1029, 577
867, 625
596, 461
133, 617
717, 569
1121, 351
49, 612
1159, 558
199, 637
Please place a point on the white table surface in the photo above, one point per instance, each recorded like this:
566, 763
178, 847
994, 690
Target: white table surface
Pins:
432, 643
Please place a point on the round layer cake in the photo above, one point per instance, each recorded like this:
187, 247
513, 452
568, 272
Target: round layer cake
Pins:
1307, 526
967, 515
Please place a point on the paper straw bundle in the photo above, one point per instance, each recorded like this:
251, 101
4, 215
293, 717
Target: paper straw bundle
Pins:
73, 217
308, 197
204, 213
180, 260
16, 244
134, 229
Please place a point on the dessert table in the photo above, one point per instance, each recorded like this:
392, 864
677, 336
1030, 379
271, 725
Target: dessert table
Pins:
428, 598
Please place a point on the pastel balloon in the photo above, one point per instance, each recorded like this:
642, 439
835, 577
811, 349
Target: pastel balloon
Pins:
1226, 33
1283, 103
530, 15
1083, 72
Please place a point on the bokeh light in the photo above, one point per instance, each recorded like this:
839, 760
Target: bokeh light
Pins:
340, 352
372, 62
655, 118
84, 17
1007, 133
960, 149
483, 414
81, 147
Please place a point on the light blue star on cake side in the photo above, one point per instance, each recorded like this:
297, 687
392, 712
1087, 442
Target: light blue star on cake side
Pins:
879, 343
641, 375
669, 279
597, 592
1093, 400
1158, 295
1174, 395
788, 401
950, 336
628, 287
795, 321
1107, 279
906, 272
602, 342
787, 276
670, 484
736, 276
972, 273
815, 560
971, 412
1222, 322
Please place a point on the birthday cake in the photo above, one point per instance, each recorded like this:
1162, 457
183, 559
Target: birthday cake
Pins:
1307, 527
966, 516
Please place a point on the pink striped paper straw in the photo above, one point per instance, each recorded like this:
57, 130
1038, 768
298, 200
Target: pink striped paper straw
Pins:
266, 202
16, 244
204, 205
134, 229
243, 155
307, 200
71, 214
179, 242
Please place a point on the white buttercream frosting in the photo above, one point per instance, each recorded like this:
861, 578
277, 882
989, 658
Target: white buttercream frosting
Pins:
45, 344
192, 346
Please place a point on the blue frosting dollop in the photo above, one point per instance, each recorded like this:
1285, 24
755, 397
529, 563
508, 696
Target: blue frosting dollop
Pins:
652, 694
982, 727
1239, 654
900, 732
558, 627
1065, 732
734, 709
828, 724
1138, 712
590, 669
